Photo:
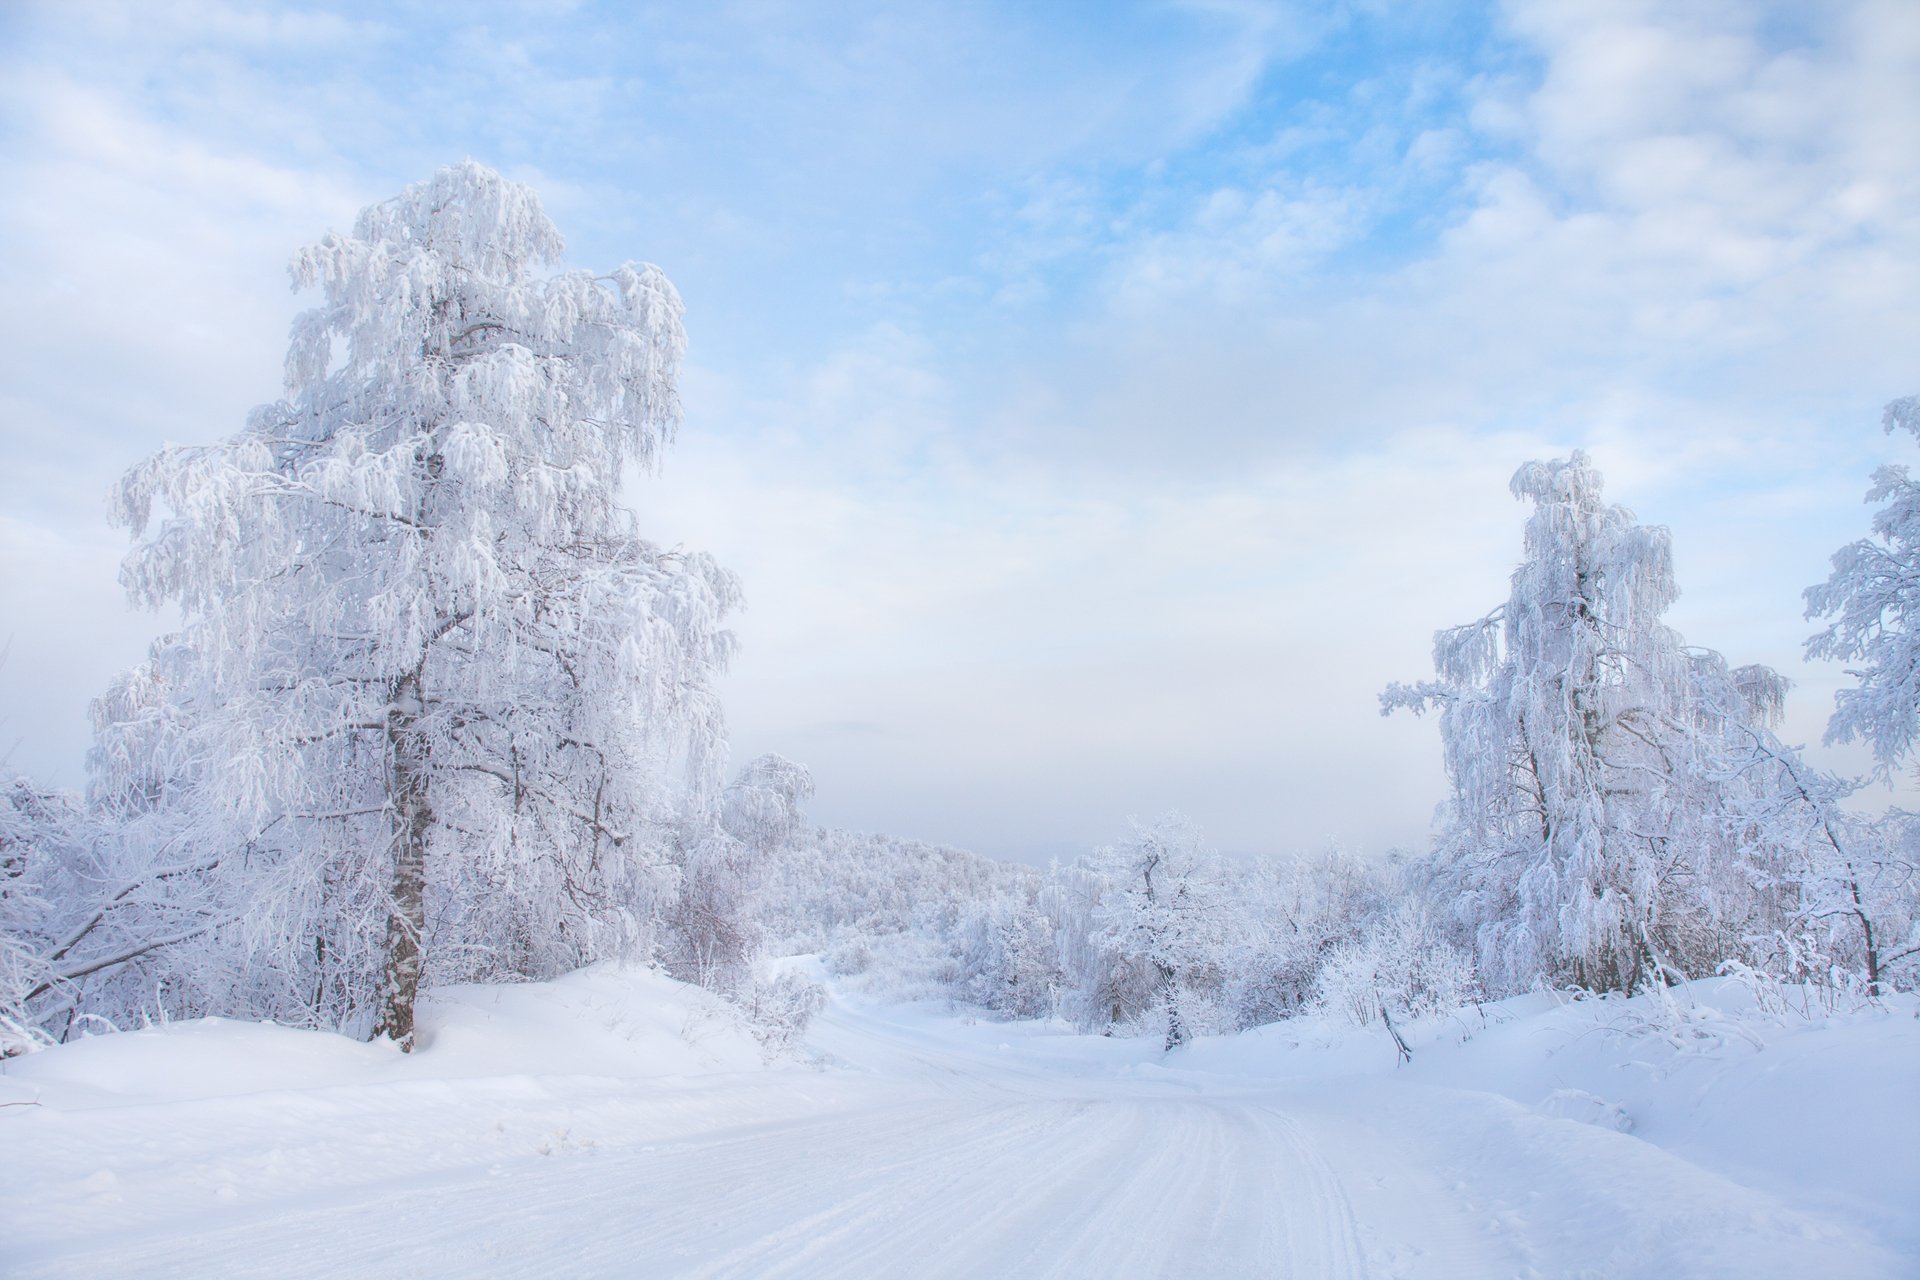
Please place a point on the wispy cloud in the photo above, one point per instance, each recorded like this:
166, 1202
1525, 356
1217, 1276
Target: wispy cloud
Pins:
1100, 411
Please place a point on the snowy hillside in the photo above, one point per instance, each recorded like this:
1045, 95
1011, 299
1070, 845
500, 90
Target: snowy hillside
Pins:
615, 1123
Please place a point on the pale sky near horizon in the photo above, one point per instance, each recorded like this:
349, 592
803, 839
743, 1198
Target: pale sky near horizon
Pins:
1101, 403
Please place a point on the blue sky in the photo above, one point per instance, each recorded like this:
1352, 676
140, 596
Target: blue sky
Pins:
1101, 402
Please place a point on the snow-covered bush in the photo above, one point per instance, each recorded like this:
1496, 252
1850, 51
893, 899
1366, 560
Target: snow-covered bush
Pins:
710, 937
896, 914
780, 1008
33, 836
1288, 916
849, 955
1852, 920
1011, 956
1401, 968
88, 918
1099, 990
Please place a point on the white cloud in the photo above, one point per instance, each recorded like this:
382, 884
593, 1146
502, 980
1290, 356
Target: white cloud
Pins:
1133, 495
1236, 244
148, 283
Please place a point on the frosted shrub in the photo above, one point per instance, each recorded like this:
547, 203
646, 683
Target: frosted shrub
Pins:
910, 965
85, 918
711, 939
1849, 909
1401, 965
1286, 916
30, 838
714, 935
781, 1008
1011, 957
851, 955
897, 914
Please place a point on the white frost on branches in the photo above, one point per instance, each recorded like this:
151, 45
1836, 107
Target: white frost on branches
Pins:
1873, 596
1620, 808
1161, 914
431, 678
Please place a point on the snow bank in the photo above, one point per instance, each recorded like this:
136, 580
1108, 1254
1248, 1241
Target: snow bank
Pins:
605, 1020
1819, 1108
117, 1143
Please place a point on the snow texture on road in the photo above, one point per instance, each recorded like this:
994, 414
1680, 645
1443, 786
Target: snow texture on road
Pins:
922, 1145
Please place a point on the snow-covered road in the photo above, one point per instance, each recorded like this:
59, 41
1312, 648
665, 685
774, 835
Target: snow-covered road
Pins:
928, 1147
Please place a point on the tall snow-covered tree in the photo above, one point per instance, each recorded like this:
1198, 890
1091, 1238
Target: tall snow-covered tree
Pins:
1612, 789
1873, 597
433, 688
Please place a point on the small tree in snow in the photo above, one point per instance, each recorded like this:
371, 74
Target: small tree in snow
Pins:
1011, 958
87, 919
761, 807
430, 674
715, 933
1292, 914
1100, 988
1162, 913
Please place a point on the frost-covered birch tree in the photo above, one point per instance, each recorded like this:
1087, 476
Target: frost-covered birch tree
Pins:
1873, 597
1612, 789
431, 678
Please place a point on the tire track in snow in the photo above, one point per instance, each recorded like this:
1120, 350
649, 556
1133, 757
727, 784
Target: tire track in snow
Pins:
1334, 1232
922, 1226
1134, 1187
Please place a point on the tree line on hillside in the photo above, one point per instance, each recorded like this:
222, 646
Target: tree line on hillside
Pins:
438, 712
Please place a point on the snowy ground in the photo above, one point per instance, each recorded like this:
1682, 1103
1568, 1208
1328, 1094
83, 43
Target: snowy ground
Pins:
616, 1124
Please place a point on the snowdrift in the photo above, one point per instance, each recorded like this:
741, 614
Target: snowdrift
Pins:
1818, 1107
606, 1020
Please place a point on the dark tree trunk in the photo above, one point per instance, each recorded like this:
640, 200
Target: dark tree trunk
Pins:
1866, 932
412, 816
1177, 1034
